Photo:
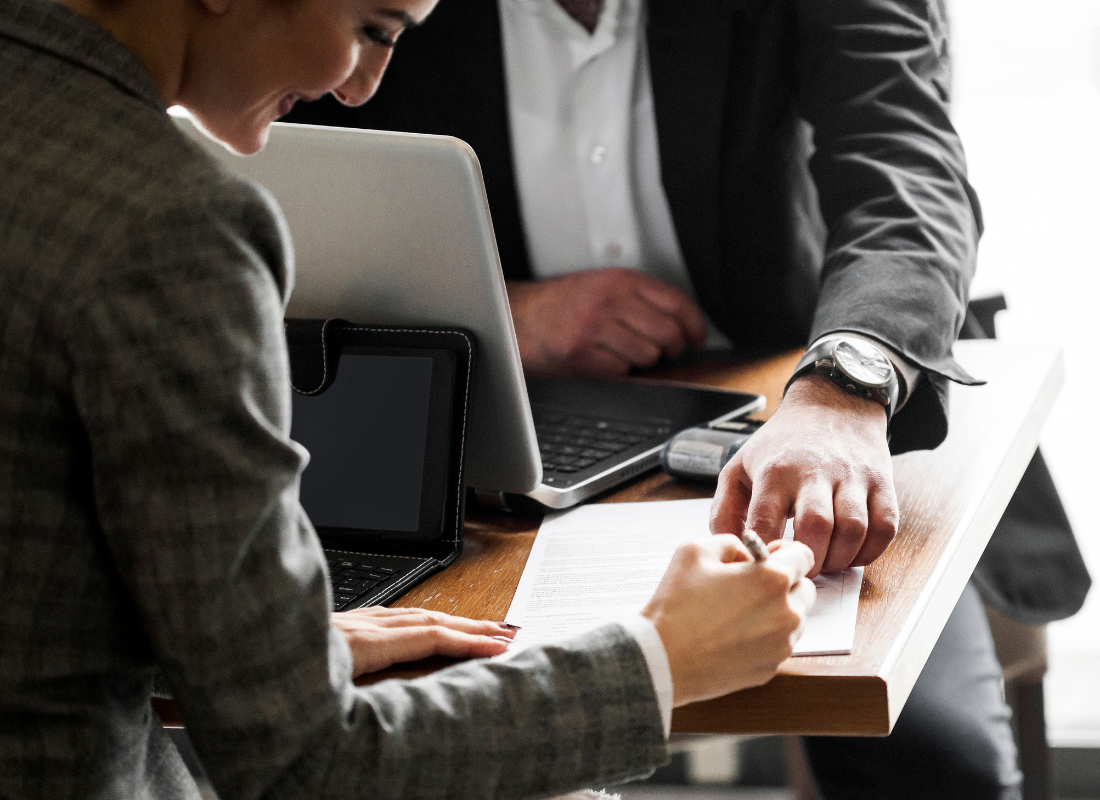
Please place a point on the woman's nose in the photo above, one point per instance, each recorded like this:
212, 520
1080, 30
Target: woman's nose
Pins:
364, 79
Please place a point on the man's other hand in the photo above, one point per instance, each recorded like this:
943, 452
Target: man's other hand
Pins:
823, 459
601, 322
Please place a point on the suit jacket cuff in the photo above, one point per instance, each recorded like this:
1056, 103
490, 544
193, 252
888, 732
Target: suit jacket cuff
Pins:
922, 424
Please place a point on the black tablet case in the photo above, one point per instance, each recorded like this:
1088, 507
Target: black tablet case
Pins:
314, 347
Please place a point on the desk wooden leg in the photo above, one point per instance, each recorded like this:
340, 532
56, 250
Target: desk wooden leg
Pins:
1032, 736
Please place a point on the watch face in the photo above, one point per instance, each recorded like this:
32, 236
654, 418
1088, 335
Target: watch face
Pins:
863, 362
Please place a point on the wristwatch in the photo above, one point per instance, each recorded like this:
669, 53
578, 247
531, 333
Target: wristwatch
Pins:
856, 366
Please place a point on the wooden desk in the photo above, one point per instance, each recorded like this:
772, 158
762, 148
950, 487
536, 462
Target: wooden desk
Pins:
950, 501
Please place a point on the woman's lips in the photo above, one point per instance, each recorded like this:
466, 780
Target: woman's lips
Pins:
286, 104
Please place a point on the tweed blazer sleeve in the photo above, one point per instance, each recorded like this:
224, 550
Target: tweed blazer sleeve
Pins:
149, 508
180, 378
903, 221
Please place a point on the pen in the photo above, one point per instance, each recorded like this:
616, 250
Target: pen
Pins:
755, 545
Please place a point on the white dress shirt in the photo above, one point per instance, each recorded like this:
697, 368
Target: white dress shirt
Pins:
584, 139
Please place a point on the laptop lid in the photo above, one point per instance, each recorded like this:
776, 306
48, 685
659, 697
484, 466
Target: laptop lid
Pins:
403, 237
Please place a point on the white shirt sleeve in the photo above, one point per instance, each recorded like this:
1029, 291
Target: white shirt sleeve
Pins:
656, 659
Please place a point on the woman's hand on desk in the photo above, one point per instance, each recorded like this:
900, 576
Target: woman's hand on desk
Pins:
379, 636
726, 621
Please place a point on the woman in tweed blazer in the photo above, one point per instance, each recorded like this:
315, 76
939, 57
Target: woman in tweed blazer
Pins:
148, 486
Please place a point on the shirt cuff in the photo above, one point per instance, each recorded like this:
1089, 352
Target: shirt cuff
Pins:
906, 372
656, 659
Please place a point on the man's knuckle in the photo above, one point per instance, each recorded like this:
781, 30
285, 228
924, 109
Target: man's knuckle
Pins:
816, 522
588, 323
767, 518
575, 347
649, 354
887, 525
849, 526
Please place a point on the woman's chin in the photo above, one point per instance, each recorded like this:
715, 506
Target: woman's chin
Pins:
244, 138
245, 142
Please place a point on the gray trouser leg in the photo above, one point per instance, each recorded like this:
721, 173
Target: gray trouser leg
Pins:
952, 739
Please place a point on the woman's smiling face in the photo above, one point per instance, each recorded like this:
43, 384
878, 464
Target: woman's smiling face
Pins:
251, 60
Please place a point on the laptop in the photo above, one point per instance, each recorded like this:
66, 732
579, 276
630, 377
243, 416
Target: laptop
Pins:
394, 229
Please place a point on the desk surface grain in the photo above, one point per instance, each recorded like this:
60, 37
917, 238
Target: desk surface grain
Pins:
950, 500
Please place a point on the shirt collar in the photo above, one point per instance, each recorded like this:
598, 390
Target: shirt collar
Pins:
50, 26
618, 18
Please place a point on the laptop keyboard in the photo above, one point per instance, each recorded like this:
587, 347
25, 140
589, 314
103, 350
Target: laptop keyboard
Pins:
570, 443
354, 576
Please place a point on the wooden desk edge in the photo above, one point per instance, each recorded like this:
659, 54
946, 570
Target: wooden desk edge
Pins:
795, 704
944, 588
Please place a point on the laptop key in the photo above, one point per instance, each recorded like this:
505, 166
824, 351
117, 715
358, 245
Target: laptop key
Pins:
599, 455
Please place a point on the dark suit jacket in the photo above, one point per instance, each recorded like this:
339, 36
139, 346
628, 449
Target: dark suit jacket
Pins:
815, 181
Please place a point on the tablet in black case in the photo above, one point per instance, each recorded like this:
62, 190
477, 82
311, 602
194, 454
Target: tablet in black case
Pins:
383, 413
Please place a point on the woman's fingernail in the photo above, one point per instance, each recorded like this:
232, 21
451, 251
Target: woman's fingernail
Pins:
504, 639
508, 626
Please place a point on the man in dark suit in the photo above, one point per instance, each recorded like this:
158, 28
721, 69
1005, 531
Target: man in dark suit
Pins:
759, 174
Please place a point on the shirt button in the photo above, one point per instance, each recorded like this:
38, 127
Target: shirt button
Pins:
613, 251
598, 154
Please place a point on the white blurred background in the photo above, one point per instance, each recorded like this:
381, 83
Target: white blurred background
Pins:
1027, 104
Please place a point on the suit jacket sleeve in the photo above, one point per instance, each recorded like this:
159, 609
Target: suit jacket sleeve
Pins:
903, 222
180, 378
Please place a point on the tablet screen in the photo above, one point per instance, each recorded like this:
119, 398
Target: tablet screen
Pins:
367, 435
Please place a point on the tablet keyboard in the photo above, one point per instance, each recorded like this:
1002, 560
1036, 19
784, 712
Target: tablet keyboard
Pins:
570, 443
357, 578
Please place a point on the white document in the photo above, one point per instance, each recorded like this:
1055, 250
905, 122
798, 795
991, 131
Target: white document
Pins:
602, 562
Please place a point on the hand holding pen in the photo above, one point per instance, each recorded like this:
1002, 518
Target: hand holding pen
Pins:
755, 545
